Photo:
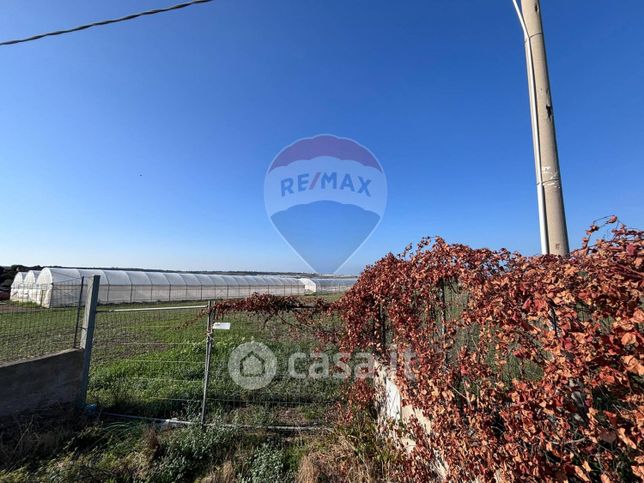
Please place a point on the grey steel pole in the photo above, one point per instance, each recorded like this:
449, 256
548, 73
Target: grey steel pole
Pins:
206, 374
78, 310
87, 337
552, 213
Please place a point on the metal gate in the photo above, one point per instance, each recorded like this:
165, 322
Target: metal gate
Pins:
179, 363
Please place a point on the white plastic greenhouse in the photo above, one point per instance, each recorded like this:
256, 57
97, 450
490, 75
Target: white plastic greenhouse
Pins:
30, 289
58, 287
17, 287
328, 285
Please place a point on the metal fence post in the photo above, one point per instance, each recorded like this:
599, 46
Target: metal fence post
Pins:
87, 336
78, 310
206, 376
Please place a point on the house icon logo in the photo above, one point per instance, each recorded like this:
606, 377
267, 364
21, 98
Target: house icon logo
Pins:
252, 365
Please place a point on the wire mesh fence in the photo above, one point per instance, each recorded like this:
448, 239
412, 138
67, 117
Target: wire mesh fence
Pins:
266, 374
151, 362
148, 361
29, 330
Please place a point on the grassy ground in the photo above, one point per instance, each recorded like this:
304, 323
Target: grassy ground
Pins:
151, 364
29, 331
79, 449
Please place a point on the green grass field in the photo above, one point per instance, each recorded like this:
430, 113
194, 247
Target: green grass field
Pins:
28, 331
152, 363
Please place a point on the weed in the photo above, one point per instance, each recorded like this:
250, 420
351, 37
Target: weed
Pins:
268, 464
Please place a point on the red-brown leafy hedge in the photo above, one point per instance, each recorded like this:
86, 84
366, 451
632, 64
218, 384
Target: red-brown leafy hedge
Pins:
529, 368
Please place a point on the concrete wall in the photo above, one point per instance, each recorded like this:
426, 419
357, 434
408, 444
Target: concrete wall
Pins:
40, 382
392, 411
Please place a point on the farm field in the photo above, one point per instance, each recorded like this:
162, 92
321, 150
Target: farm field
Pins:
150, 364
29, 331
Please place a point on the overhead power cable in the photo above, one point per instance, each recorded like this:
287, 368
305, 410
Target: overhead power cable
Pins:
104, 22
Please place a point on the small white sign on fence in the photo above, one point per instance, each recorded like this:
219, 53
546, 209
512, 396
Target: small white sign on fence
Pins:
221, 326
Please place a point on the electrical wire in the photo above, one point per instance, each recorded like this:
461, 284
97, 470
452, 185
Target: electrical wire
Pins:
104, 22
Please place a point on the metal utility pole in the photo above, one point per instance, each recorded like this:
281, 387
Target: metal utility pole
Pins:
552, 217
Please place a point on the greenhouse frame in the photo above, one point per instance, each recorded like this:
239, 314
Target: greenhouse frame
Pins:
61, 287
57, 287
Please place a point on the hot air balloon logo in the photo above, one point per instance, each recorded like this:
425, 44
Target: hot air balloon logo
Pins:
325, 195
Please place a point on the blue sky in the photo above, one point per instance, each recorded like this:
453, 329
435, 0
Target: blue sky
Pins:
146, 143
